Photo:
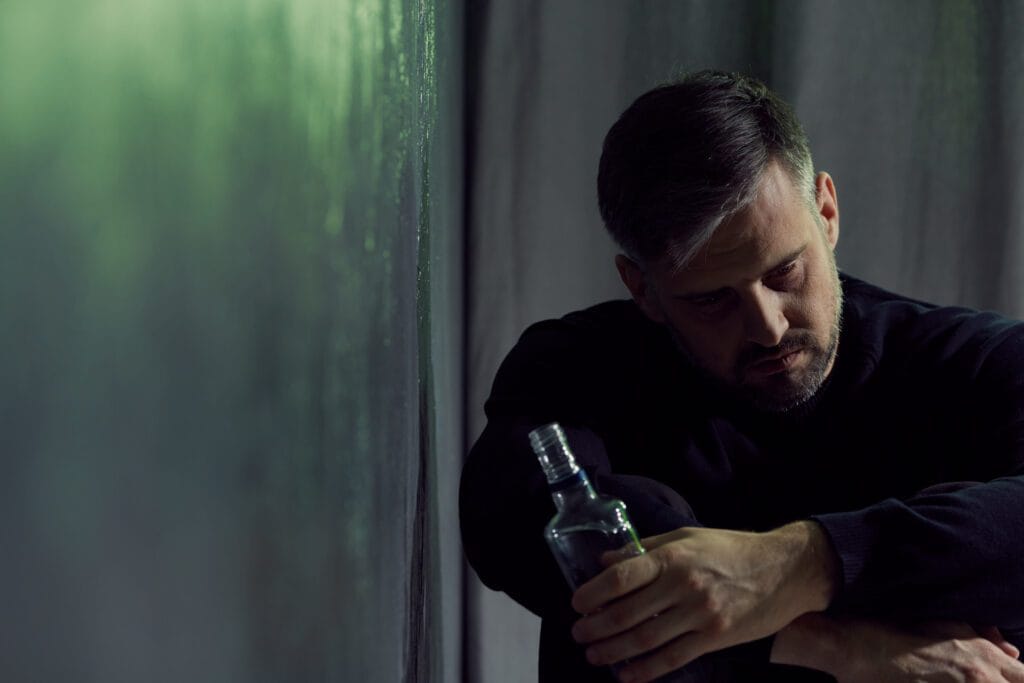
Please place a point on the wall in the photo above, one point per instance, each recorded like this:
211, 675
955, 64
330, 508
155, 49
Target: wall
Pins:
228, 381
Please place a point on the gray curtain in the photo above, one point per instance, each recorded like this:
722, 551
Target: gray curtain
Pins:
916, 109
230, 332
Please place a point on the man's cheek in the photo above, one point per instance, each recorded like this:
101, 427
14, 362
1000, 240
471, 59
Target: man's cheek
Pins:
722, 365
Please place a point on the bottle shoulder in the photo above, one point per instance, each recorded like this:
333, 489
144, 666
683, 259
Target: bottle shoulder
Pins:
599, 508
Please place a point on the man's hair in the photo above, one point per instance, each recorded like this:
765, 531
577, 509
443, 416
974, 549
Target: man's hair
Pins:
687, 155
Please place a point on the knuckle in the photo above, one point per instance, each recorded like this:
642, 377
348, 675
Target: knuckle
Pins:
711, 603
670, 556
616, 577
717, 625
621, 574
974, 673
692, 583
672, 551
704, 599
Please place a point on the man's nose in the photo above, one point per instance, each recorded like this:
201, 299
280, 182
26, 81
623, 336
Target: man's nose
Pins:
764, 321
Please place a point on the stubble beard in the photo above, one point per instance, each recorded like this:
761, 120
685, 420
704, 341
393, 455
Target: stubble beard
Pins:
781, 394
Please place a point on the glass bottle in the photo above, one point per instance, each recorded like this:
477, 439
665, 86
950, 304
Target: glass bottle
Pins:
587, 523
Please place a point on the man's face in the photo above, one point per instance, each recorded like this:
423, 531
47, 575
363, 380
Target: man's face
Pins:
758, 309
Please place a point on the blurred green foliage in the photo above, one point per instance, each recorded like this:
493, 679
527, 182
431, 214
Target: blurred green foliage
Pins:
210, 214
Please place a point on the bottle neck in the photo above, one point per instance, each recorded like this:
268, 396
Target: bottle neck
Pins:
572, 490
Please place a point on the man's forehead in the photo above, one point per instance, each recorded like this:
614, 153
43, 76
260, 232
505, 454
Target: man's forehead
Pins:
736, 242
758, 222
753, 235
772, 226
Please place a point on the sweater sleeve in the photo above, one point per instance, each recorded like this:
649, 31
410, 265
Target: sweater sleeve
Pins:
553, 374
953, 552
955, 555
504, 504
504, 501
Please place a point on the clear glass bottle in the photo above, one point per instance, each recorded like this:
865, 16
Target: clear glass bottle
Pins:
587, 523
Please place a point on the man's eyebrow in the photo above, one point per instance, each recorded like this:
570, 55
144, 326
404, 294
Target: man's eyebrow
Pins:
792, 256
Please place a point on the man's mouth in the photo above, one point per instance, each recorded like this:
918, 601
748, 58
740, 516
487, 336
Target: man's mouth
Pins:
775, 364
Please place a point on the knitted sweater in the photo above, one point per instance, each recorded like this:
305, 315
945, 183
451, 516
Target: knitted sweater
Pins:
919, 396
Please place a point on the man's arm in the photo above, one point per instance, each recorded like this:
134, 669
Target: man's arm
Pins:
863, 651
954, 555
701, 590
505, 504
579, 373
953, 579
946, 554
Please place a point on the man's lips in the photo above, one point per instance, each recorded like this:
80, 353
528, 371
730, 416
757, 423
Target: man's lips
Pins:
776, 363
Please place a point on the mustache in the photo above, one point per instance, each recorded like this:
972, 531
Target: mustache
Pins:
756, 354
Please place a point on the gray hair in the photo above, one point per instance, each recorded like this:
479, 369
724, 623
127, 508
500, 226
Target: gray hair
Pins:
686, 156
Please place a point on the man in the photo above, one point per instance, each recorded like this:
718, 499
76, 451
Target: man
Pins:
830, 476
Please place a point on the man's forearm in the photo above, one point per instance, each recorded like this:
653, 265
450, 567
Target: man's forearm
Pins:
812, 641
867, 651
814, 566
708, 588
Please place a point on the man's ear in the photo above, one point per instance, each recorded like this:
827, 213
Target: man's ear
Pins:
636, 282
828, 206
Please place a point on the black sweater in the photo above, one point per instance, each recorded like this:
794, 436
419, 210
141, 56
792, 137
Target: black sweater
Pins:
919, 396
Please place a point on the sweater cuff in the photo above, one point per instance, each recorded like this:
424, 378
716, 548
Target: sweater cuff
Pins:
854, 535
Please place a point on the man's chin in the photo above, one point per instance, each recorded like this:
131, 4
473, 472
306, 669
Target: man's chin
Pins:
784, 393
774, 395
780, 403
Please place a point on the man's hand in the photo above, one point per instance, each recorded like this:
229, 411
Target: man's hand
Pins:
697, 590
862, 651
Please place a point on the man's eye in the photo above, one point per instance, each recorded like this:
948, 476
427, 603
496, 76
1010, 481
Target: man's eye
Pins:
785, 270
709, 300
783, 277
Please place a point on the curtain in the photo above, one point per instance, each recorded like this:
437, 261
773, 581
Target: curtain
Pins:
230, 296
915, 108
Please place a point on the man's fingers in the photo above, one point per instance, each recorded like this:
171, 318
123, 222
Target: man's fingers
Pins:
1014, 672
649, 635
675, 654
614, 582
957, 629
624, 614
993, 635
612, 556
652, 542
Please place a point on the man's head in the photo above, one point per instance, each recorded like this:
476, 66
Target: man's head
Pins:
708, 187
